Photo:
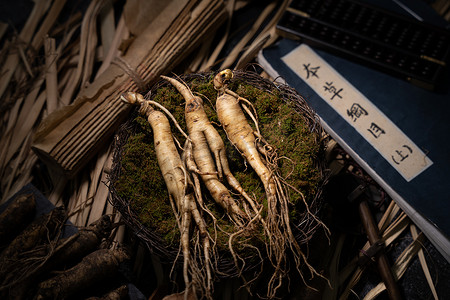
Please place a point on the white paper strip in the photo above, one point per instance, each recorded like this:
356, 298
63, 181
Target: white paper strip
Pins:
396, 147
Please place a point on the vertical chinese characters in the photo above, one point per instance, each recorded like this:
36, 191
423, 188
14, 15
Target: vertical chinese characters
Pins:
376, 130
329, 87
356, 111
311, 71
402, 154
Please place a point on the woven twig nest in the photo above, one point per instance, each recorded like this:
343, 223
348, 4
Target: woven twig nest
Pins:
285, 120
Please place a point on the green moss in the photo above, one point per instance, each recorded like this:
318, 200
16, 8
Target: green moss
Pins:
280, 124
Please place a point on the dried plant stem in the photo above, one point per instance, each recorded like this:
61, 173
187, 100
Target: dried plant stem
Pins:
88, 42
12, 61
423, 263
113, 50
47, 23
80, 205
51, 76
107, 27
241, 44
98, 184
3, 29
267, 36
212, 59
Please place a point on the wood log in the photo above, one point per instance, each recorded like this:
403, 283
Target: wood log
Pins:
69, 137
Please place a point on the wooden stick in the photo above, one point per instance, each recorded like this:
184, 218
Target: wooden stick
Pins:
382, 263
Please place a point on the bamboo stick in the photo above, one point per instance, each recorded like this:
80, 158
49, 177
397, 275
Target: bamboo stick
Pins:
69, 137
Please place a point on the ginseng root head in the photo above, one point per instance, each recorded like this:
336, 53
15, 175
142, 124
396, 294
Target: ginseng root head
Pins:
221, 79
132, 98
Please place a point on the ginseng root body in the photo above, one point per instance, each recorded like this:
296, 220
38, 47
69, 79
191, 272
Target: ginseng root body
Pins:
206, 140
179, 189
246, 139
240, 134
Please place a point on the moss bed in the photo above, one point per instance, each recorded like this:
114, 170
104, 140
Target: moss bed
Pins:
285, 122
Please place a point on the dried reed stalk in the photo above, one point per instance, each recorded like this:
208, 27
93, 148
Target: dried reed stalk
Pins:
248, 36
25, 36
424, 264
3, 29
102, 192
51, 76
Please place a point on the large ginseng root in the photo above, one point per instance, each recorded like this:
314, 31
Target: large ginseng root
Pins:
40, 230
16, 216
245, 139
95, 267
116, 294
206, 140
181, 195
55, 256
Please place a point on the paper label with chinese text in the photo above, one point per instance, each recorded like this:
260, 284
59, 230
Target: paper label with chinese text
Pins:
395, 146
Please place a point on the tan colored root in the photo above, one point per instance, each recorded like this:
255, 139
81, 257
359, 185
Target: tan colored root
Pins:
182, 196
138, 99
278, 222
205, 139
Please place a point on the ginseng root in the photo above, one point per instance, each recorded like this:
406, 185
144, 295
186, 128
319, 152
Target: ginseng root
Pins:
246, 140
206, 140
55, 255
94, 267
16, 216
180, 193
43, 228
